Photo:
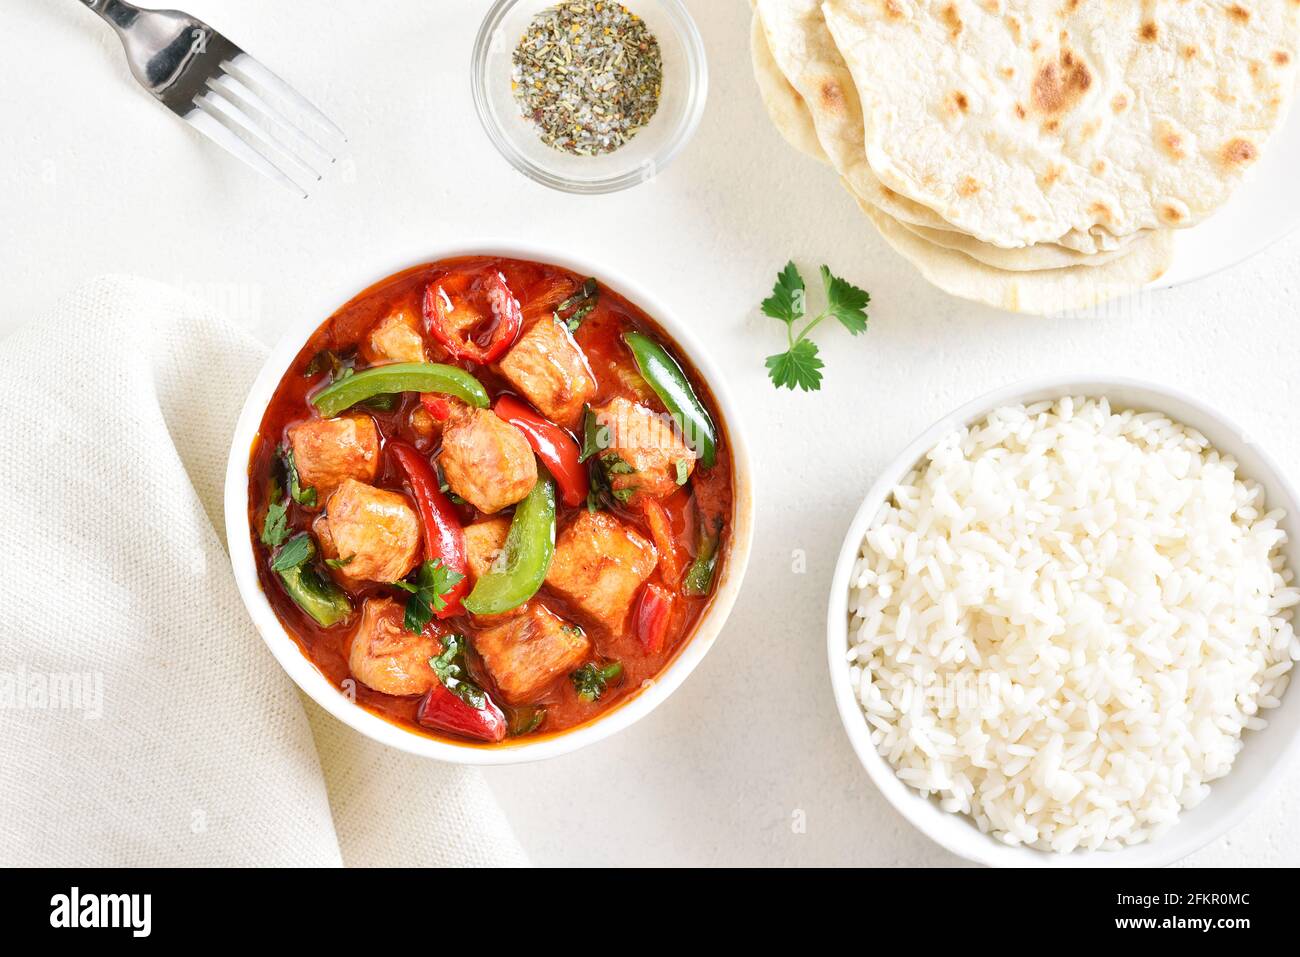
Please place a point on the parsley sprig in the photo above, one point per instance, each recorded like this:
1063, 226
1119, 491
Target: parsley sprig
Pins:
800, 365
432, 583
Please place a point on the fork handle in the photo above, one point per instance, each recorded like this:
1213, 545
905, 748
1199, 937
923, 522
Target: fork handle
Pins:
119, 13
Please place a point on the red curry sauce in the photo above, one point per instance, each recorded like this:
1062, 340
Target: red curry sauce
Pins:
539, 289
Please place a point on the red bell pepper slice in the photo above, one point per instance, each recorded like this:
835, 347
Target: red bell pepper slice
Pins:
653, 612
436, 405
444, 536
444, 710
662, 532
506, 311
553, 445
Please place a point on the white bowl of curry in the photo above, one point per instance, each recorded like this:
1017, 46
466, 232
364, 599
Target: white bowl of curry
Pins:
492, 509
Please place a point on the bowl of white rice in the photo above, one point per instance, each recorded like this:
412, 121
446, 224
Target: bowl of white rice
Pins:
1060, 628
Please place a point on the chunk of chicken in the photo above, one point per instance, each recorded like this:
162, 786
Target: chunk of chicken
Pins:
388, 658
487, 462
426, 427
550, 370
527, 653
650, 446
329, 451
395, 338
374, 532
483, 543
599, 565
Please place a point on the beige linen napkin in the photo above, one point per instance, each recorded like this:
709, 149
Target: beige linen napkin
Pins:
142, 720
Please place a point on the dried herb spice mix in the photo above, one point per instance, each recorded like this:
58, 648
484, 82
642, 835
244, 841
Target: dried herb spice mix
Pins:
589, 73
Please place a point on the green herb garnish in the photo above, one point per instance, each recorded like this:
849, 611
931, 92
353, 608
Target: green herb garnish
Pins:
275, 527
300, 550
591, 680
595, 437
683, 471
432, 583
448, 669
800, 366
577, 307
521, 721
303, 496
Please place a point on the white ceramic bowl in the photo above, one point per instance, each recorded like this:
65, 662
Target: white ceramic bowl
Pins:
1258, 766
319, 689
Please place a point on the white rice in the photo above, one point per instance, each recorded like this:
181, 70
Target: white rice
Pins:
1064, 620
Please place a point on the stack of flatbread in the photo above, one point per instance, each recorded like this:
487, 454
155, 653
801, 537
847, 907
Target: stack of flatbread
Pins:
1035, 155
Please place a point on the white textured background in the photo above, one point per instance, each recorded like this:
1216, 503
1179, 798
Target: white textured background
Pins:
94, 177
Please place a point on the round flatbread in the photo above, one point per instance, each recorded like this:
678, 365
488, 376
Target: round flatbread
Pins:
1044, 292
1019, 121
783, 104
1025, 259
804, 50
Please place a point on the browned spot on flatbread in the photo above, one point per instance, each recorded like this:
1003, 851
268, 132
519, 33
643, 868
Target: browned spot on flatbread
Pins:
1099, 167
1021, 111
1281, 57
1149, 32
1060, 84
1189, 52
1052, 174
831, 95
1101, 212
1171, 214
1238, 152
893, 11
1120, 103
1238, 13
1013, 25
991, 7
952, 20
968, 187
1171, 142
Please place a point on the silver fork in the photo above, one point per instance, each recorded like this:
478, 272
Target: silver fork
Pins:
224, 93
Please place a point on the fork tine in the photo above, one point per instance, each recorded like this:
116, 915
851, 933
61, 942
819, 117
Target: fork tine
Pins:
238, 92
230, 115
202, 118
254, 75
268, 125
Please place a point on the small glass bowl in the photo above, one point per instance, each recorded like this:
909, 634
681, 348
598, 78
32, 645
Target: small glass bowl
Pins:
649, 151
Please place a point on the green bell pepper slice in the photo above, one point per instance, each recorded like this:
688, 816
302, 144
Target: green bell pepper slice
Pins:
698, 580
400, 377
669, 382
323, 600
523, 563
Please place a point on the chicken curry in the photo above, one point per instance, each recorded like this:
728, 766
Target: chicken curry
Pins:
490, 499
